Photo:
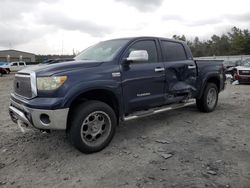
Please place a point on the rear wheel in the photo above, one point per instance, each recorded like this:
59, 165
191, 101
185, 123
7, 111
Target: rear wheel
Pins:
209, 99
92, 126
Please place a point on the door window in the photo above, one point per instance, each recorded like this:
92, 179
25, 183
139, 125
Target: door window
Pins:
173, 51
149, 46
21, 64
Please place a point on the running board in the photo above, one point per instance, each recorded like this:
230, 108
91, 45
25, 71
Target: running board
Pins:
158, 110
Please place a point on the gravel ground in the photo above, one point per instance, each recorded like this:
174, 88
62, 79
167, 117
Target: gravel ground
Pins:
181, 148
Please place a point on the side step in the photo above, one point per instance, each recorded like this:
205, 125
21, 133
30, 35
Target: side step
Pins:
152, 111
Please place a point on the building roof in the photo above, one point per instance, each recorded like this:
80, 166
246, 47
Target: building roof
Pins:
11, 50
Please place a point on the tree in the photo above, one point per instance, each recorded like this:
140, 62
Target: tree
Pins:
234, 42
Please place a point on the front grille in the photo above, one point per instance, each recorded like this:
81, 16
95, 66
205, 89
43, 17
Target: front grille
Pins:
244, 72
22, 85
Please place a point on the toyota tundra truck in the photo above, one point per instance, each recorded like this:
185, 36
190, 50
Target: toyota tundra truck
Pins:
113, 81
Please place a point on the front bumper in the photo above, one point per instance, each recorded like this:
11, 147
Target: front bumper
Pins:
39, 118
244, 78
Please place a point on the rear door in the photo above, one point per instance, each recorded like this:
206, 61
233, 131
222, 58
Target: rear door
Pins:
181, 71
143, 82
21, 66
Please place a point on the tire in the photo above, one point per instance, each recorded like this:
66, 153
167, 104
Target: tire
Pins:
209, 99
8, 71
92, 126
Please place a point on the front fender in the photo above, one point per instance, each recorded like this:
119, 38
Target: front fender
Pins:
84, 87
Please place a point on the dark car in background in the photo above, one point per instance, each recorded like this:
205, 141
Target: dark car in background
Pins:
2, 71
5, 66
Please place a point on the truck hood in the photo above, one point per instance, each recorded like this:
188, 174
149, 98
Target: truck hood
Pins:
50, 69
243, 68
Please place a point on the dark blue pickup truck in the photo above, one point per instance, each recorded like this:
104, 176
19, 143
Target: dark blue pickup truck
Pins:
112, 81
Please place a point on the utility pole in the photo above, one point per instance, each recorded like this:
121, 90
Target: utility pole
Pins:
62, 42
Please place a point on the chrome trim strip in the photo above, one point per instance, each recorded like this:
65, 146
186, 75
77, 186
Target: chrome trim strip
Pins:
22, 75
159, 69
157, 111
245, 76
32, 76
116, 74
20, 115
33, 84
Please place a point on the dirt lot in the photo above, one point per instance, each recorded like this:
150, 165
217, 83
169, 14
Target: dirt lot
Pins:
181, 148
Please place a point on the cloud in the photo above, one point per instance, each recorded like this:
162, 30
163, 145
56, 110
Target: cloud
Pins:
12, 35
245, 17
13, 9
238, 17
39, 25
143, 5
172, 17
201, 22
62, 21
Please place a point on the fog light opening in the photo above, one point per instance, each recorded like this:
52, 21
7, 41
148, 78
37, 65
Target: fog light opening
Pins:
45, 119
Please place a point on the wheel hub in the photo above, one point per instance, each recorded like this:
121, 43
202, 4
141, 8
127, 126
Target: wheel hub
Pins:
211, 97
95, 128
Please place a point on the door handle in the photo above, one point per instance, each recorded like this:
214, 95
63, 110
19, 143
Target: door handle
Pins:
159, 69
191, 66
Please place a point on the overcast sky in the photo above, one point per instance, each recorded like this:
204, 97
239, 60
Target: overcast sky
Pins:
59, 26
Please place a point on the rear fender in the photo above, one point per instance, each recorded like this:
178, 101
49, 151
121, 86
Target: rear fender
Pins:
205, 81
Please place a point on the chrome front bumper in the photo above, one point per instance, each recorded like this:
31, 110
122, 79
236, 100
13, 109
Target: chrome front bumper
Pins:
39, 118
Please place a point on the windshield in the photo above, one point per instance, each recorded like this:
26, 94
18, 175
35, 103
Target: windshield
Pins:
103, 51
245, 63
3, 63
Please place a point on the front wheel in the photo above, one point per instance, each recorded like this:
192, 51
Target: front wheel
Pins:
209, 99
92, 126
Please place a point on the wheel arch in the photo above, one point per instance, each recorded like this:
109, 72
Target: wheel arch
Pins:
104, 95
211, 79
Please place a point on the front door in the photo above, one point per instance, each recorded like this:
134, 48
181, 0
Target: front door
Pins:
143, 82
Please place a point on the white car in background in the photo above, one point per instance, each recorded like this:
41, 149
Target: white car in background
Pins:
17, 65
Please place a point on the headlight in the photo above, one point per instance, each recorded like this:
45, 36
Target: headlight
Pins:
50, 83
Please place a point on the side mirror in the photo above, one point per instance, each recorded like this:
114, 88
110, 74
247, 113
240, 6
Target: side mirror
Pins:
138, 55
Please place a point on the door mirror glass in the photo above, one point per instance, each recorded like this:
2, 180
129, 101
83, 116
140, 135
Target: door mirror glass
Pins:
138, 55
